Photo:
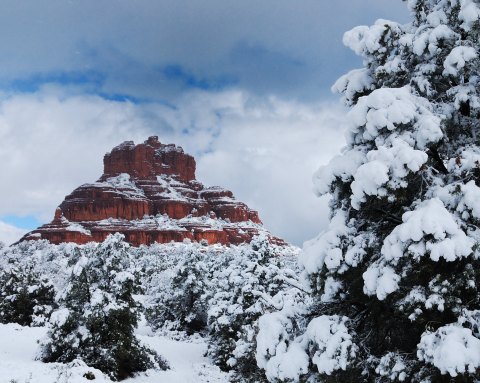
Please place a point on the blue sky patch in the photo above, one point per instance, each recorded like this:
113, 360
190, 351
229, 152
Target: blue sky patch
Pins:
34, 82
177, 73
28, 222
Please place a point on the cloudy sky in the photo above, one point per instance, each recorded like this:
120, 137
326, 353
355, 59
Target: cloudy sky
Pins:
242, 85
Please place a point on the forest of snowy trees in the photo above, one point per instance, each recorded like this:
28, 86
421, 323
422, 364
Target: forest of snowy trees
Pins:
388, 292
91, 297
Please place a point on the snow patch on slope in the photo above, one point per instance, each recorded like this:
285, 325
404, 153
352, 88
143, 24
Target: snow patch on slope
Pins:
19, 347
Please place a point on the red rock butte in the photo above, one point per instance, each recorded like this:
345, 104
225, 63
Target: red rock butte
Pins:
149, 193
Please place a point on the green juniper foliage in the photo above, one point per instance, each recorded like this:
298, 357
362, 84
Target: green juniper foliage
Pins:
220, 292
98, 316
245, 286
26, 297
181, 305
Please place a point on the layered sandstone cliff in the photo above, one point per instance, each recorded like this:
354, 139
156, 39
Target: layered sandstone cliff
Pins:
149, 193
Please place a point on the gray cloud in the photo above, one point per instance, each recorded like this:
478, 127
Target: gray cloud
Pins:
278, 47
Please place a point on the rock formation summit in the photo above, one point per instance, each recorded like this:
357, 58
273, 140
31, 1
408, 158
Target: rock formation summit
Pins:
149, 193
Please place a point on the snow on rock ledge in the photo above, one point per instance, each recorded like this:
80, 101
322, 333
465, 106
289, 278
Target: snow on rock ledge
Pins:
149, 193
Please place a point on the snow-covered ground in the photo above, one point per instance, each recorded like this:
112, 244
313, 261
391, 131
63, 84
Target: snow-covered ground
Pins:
19, 346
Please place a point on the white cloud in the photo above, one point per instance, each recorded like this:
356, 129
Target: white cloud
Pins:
264, 149
10, 234
49, 145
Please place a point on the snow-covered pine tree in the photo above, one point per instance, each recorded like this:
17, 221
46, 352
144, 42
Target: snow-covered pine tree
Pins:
98, 315
396, 275
181, 303
26, 297
245, 285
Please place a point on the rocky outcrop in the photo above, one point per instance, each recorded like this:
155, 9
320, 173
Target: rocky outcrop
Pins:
148, 160
149, 193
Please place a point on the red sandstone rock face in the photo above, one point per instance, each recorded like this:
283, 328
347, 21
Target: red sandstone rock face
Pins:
148, 192
147, 160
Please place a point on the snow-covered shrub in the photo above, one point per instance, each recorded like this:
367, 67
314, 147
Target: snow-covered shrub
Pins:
98, 315
247, 282
397, 271
26, 297
288, 344
98, 290
278, 349
178, 300
45, 260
